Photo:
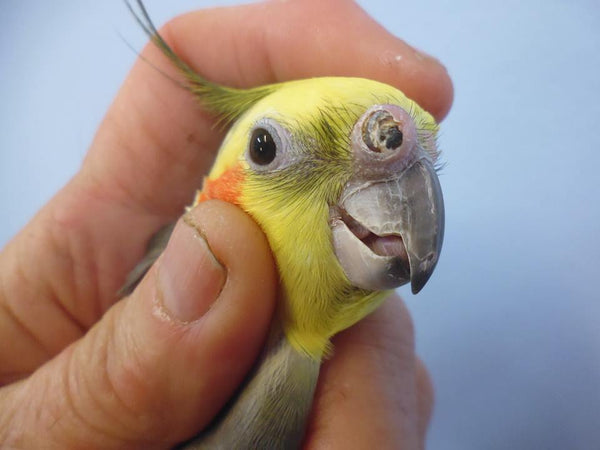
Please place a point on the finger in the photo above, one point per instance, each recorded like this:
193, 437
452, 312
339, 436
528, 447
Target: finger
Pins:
367, 393
160, 364
280, 41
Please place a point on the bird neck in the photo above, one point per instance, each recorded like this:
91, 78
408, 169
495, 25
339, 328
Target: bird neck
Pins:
272, 406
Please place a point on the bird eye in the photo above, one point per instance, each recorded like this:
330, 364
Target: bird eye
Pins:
263, 149
269, 147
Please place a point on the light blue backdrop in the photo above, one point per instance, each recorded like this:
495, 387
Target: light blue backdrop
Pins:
509, 324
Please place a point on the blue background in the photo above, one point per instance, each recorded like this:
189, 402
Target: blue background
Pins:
509, 323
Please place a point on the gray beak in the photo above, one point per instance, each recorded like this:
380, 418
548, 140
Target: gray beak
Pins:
422, 221
387, 233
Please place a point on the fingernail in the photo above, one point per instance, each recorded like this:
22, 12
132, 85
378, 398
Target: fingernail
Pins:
189, 276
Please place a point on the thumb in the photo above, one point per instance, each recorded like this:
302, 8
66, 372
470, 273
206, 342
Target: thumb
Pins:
161, 363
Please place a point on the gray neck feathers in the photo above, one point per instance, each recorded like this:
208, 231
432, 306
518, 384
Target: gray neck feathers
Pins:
271, 409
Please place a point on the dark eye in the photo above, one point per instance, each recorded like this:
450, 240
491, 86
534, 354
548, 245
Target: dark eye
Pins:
262, 147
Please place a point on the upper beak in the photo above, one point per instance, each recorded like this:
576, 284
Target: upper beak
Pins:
422, 224
390, 232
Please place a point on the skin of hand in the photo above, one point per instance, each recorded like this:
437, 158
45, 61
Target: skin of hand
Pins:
80, 370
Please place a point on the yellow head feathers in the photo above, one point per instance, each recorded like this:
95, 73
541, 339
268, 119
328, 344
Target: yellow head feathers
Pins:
310, 122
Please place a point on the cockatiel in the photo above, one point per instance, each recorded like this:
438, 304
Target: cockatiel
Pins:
340, 174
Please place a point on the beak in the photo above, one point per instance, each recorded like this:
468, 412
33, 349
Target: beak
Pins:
422, 221
387, 233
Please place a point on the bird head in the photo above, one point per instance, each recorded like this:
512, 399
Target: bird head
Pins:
340, 175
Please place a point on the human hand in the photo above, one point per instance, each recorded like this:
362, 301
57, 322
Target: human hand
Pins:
80, 371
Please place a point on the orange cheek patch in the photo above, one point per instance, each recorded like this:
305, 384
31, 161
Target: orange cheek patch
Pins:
228, 187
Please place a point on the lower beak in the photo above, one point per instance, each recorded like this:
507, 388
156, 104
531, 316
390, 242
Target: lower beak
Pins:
387, 233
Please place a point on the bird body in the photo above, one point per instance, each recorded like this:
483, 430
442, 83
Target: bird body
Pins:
340, 175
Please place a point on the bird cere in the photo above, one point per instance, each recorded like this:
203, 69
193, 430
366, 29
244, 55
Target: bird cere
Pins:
340, 174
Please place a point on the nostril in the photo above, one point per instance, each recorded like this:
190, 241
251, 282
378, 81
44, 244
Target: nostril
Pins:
394, 138
384, 141
381, 132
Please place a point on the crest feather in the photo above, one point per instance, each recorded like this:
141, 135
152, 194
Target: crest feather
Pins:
226, 102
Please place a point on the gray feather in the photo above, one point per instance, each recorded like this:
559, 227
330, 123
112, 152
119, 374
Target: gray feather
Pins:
271, 409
